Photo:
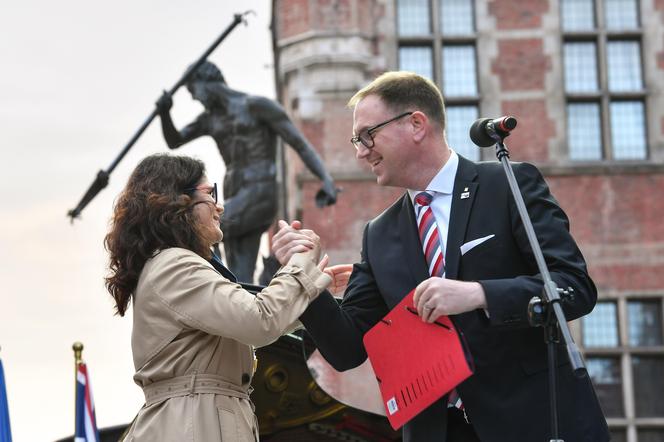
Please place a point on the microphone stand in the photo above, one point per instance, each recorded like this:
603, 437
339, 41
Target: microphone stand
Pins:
545, 311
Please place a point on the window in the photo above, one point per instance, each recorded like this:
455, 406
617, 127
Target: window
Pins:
418, 59
437, 40
601, 328
623, 340
606, 116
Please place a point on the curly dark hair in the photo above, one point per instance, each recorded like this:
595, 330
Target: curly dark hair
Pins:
152, 213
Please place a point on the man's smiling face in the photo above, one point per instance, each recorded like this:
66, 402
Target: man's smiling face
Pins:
389, 157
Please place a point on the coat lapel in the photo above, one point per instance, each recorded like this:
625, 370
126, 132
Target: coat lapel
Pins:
463, 195
221, 268
411, 241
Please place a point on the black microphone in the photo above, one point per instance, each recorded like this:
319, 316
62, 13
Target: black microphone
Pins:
486, 132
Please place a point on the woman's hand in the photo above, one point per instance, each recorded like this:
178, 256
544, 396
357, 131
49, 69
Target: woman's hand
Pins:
291, 238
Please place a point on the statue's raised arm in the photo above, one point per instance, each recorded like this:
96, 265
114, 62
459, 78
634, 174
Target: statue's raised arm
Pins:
245, 129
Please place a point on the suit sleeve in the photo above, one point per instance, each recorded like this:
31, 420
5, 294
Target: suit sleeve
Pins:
199, 298
337, 330
507, 299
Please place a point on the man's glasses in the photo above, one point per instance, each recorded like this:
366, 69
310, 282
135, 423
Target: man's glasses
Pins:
212, 191
365, 136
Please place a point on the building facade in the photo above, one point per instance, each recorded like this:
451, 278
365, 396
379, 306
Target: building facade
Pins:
585, 80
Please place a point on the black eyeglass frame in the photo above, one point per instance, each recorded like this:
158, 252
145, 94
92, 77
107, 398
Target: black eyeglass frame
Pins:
361, 137
213, 193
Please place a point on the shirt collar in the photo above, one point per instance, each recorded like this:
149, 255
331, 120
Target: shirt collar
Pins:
443, 182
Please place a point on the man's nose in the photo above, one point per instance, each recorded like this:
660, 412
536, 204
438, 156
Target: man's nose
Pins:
361, 151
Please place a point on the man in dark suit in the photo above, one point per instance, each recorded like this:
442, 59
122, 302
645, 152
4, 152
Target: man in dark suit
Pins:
484, 279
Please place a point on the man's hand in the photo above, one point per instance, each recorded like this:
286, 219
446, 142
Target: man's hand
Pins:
327, 195
340, 275
435, 297
164, 103
290, 239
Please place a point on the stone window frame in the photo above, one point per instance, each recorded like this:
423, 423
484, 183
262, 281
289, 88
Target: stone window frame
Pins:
600, 36
629, 423
436, 40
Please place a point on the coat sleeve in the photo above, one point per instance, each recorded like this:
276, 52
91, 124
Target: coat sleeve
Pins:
200, 298
508, 298
337, 330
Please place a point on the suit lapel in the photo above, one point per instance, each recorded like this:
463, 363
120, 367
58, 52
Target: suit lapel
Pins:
411, 241
463, 195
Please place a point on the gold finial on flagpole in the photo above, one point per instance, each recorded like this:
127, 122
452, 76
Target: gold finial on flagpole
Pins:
78, 350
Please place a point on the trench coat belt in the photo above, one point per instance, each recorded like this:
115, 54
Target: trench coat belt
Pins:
191, 384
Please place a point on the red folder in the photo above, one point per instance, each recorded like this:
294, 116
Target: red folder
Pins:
416, 363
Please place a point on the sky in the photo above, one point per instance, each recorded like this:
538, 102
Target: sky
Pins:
77, 79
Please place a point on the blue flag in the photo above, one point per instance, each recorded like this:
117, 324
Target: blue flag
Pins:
5, 428
86, 422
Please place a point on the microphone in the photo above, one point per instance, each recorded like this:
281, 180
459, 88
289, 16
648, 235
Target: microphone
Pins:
486, 132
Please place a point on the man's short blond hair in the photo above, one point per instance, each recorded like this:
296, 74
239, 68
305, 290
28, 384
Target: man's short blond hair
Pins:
405, 91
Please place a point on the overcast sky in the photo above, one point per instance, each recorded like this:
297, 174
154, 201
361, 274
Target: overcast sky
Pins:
77, 79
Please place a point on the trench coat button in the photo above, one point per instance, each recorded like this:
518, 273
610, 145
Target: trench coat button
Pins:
246, 378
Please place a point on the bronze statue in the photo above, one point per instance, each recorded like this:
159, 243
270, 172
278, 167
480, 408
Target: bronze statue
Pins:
245, 128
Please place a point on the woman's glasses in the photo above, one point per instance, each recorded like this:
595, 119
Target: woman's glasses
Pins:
210, 190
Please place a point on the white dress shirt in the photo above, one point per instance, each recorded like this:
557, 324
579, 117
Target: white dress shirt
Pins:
441, 187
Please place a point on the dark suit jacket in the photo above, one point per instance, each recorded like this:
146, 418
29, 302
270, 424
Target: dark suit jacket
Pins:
506, 399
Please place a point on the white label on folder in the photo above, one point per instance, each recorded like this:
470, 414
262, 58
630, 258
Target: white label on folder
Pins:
392, 406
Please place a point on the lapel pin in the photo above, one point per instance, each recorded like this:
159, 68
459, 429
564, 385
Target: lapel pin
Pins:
465, 194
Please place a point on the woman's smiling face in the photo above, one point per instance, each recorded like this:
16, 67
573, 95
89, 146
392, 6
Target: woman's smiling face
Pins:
207, 212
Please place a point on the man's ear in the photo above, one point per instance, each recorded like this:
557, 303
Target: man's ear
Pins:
420, 124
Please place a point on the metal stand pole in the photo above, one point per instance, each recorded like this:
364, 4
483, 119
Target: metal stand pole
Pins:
546, 311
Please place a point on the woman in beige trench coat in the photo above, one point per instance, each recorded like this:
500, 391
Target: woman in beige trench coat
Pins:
194, 330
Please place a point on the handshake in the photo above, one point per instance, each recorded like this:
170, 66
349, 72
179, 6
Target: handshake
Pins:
292, 238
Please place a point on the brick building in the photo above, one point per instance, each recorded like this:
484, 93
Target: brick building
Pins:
584, 79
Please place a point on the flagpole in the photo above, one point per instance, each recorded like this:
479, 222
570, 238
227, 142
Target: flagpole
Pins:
5, 423
78, 350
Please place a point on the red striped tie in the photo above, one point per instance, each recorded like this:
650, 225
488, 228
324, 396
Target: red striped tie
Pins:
431, 246
429, 236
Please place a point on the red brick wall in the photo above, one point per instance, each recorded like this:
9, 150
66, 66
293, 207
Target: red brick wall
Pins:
518, 14
531, 141
368, 12
330, 134
298, 16
618, 221
521, 65
332, 14
292, 17
341, 226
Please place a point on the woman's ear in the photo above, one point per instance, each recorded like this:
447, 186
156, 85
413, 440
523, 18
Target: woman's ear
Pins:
420, 124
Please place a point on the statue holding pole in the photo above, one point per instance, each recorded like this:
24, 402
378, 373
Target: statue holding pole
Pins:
245, 129
102, 178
